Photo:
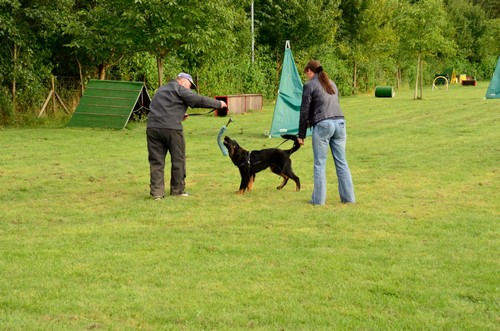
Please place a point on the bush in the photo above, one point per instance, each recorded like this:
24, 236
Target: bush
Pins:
237, 76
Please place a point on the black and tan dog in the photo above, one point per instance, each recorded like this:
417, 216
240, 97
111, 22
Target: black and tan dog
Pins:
250, 163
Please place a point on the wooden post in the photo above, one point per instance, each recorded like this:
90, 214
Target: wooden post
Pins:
45, 104
415, 93
15, 55
62, 103
54, 96
421, 79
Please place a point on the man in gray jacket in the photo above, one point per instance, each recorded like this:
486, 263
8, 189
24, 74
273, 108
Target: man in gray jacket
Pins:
164, 132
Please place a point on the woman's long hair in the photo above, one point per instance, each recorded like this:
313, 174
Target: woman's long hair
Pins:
316, 67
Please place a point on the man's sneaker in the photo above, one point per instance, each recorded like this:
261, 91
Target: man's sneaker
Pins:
182, 194
157, 197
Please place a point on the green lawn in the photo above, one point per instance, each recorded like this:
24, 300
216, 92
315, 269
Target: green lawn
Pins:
83, 247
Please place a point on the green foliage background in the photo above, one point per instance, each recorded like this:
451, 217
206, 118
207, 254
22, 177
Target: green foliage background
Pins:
362, 44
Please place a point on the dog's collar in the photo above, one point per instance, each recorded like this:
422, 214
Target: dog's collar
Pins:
247, 161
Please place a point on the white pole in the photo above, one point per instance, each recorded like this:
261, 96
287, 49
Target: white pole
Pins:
253, 42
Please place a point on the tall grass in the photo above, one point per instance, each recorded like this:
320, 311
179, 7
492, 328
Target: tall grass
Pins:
82, 245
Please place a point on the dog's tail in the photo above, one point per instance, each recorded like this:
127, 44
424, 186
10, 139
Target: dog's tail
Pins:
295, 139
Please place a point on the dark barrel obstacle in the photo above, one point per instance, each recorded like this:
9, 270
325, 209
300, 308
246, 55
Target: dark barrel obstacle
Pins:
384, 92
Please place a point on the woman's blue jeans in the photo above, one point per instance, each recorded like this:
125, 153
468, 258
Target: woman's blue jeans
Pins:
331, 133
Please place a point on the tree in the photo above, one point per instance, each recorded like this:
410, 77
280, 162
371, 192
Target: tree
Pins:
491, 7
469, 26
305, 23
182, 28
421, 29
27, 29
101, 31
366, 34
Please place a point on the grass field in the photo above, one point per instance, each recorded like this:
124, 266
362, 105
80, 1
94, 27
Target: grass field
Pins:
83, 247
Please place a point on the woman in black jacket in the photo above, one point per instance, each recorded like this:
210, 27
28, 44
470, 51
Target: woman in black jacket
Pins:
320, 110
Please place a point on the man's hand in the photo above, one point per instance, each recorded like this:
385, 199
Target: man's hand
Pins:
222, 104
301, 141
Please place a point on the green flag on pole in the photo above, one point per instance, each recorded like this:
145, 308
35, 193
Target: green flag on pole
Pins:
493, 91
287, 109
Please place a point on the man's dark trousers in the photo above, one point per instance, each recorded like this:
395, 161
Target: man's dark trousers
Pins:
161, 142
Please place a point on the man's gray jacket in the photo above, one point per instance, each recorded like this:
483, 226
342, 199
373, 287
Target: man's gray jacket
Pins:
170, 103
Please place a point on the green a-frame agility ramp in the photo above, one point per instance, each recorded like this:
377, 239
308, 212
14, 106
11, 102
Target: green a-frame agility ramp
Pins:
110, 104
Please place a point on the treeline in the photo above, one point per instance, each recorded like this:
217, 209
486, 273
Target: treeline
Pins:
361, 43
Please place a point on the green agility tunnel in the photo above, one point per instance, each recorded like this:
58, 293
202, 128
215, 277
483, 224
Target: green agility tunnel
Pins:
384, 92
110, 104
